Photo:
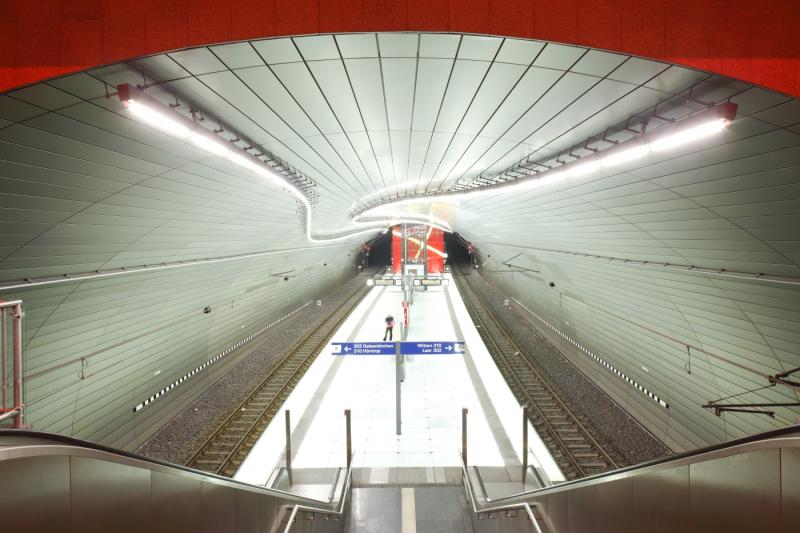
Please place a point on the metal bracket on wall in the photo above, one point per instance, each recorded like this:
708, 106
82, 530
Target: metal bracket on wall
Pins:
752, 408
781, 378
306, 184
515, 268
688, 366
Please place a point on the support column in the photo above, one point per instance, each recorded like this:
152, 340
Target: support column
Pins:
524, 444
397, 376
464, 413
348, 437
288, 446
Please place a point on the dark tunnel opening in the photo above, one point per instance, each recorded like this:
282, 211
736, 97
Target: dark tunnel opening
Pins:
379, 250
456, 247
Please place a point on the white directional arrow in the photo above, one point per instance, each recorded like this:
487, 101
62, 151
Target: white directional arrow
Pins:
346, 348
448, 348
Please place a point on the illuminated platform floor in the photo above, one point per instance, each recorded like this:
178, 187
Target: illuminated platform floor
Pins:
435, 389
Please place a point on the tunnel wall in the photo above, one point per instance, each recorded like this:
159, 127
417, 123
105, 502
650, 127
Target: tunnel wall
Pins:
95, 350
680, 277
753, 41
636, 319
85, 190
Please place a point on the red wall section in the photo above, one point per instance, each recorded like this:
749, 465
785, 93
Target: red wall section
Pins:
397, 251
755, 40
435, 241
435, 261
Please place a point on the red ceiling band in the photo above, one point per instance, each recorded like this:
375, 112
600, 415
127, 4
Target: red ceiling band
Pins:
37, 43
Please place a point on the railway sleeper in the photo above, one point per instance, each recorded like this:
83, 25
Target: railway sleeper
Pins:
587, 456
578, 446
567, 429
216, 454
207, 466
601, 467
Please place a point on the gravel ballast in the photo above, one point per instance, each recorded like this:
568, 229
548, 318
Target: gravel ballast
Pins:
627, 440
176, 440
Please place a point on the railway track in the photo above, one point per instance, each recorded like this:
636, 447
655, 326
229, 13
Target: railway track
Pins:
576, 451
224, 450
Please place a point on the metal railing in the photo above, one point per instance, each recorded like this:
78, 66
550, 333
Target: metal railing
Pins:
749, 484
337, 513
319, 506
104, 487
536, 470
277, 478
15, 409
479, 510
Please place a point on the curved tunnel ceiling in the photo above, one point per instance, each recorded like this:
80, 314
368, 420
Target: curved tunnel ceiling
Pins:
364, 114
370, 116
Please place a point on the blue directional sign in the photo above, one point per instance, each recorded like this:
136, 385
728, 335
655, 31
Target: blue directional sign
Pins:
406, 348
363, 348
431, 348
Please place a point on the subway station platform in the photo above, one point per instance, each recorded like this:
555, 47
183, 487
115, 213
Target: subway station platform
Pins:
435, 389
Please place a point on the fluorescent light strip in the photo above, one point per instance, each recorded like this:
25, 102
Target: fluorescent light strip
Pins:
394, 219
690, 135
213, 360
694, 128
611, 368
154, 113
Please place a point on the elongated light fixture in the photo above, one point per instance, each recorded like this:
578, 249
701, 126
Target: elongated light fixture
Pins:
699, 126
153, 113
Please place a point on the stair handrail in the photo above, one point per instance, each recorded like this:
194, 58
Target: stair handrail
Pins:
476, 509
338, 512
60, 442
788, 431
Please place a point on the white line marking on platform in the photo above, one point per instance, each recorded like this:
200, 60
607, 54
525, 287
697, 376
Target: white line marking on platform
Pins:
409, 513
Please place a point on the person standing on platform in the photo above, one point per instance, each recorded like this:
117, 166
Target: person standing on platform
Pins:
389, 327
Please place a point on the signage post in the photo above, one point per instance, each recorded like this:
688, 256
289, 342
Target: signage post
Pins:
397, 371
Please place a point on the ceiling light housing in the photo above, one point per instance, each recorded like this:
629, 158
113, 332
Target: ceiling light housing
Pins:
700, 125
155, 114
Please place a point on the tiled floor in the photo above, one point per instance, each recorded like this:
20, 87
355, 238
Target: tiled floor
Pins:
434, 391
375, 510
409, 509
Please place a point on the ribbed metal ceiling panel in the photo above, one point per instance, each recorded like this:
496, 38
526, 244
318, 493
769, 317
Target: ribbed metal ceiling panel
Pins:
368, 116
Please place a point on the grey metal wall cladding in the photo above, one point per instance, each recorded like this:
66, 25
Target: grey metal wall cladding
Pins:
94, 350
696, 210
717, 316
85, 186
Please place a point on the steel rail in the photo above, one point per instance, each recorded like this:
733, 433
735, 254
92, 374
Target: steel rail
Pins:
478, 304
301, 355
